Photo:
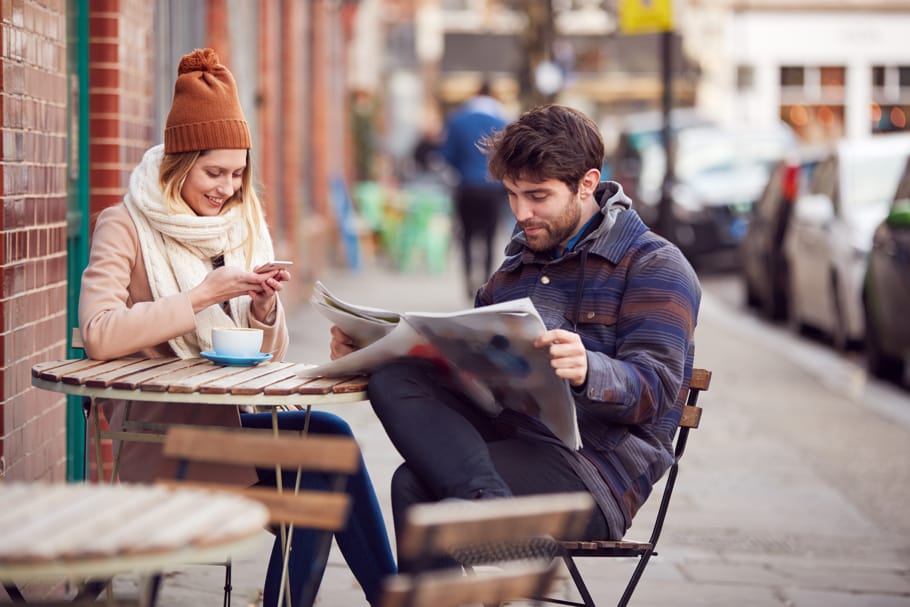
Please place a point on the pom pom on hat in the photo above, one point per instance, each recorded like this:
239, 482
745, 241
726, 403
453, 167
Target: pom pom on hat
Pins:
200, 60
206, 112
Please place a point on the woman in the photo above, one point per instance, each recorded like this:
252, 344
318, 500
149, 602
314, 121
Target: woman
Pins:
176, 259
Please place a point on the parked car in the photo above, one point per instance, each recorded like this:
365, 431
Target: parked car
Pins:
638, 134
886, 289
831, 231
718, 174
762, 261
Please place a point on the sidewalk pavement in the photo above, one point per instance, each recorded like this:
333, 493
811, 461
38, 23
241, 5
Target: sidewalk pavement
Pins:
756, 520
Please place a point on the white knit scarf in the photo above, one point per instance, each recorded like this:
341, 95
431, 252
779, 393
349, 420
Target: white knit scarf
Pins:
178, 250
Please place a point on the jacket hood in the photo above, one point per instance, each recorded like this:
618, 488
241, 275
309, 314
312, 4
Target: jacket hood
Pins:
611, 199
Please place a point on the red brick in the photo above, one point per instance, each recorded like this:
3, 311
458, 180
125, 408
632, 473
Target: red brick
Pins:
104, 103
103, 27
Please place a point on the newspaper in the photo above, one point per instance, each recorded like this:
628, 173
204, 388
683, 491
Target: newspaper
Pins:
489, 349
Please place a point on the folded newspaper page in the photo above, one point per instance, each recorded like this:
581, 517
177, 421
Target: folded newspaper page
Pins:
490, 349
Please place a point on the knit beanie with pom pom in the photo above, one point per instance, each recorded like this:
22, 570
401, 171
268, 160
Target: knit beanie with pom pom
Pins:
206, 113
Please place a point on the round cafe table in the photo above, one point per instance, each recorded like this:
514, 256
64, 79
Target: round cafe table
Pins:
94, 531
273, 385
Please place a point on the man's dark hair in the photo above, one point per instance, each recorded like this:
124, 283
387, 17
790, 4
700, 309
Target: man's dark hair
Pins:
546, 142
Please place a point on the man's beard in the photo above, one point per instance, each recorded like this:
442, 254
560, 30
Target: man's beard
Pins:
554, 232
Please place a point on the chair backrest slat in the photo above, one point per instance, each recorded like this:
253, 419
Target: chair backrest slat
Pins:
700, 382
701, 379
333, 454
439, 527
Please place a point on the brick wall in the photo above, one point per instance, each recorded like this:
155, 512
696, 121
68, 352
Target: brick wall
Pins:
32, 233
33, 145
121, 115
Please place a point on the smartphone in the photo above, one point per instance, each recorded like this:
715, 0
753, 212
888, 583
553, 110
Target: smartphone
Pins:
271, 266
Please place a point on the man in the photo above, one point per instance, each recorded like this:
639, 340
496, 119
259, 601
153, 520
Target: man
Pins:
620, 305
478, 200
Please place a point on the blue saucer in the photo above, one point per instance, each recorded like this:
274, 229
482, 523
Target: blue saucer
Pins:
235, 361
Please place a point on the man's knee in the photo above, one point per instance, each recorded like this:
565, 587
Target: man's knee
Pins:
407, 488
396, 379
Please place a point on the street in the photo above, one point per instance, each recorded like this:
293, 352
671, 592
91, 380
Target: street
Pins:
793, 490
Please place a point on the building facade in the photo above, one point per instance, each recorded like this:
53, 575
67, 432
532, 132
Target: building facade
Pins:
828, 69
85, 87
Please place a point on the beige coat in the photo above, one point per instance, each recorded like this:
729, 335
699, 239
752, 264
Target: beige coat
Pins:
117, 317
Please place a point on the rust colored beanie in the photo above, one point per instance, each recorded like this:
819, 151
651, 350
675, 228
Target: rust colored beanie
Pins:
206, 113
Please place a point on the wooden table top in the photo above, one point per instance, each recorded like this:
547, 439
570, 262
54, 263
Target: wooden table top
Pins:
72, 530
194, 380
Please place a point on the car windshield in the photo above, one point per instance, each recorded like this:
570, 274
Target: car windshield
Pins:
869, 180
703, 151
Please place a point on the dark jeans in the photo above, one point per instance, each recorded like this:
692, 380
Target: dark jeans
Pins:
478, 208
364, 542
452, 449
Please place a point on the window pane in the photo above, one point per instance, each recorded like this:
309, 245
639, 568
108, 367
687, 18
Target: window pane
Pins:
878, 75
903, 76
792, 76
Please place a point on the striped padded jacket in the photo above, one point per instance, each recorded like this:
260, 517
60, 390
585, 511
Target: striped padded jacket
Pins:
633, 298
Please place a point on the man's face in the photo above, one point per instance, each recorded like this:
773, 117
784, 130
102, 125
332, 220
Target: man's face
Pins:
547, 211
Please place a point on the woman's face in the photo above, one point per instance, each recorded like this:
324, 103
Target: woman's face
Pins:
214, 178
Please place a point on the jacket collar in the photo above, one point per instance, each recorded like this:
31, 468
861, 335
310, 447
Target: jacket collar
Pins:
620, 227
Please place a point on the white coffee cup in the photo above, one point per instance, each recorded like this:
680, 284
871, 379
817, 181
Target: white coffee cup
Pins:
236, 341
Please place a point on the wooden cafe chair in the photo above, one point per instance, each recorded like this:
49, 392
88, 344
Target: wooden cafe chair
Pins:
323, 510
506, 545
641, 551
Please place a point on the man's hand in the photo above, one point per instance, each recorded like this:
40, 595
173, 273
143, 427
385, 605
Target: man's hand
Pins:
341, 344
567, 354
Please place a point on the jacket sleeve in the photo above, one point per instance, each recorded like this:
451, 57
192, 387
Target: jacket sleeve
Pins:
112, 324
274, 334
654, 331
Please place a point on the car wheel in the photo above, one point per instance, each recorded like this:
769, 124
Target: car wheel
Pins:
839, 338
777, 295
879, 362
752, 299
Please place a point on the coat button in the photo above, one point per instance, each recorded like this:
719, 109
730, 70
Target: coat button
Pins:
590, 315
545, 280
591, 393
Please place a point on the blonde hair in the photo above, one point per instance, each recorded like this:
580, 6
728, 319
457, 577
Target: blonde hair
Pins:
172, 174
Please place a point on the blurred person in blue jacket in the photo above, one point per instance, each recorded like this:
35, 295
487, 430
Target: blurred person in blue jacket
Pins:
479, 201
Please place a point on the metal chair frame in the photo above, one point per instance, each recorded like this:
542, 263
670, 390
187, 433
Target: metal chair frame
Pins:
643, 551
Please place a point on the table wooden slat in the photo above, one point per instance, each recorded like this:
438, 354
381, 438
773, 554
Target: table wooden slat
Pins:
258, 385
323, 385
150, 370
105, 379
78, 378
56, 372
226, 384
355, 384
288, 386
162, 382
212, 372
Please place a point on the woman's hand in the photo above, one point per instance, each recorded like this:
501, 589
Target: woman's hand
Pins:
227, 282
567, 354
341, 344
263, 300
